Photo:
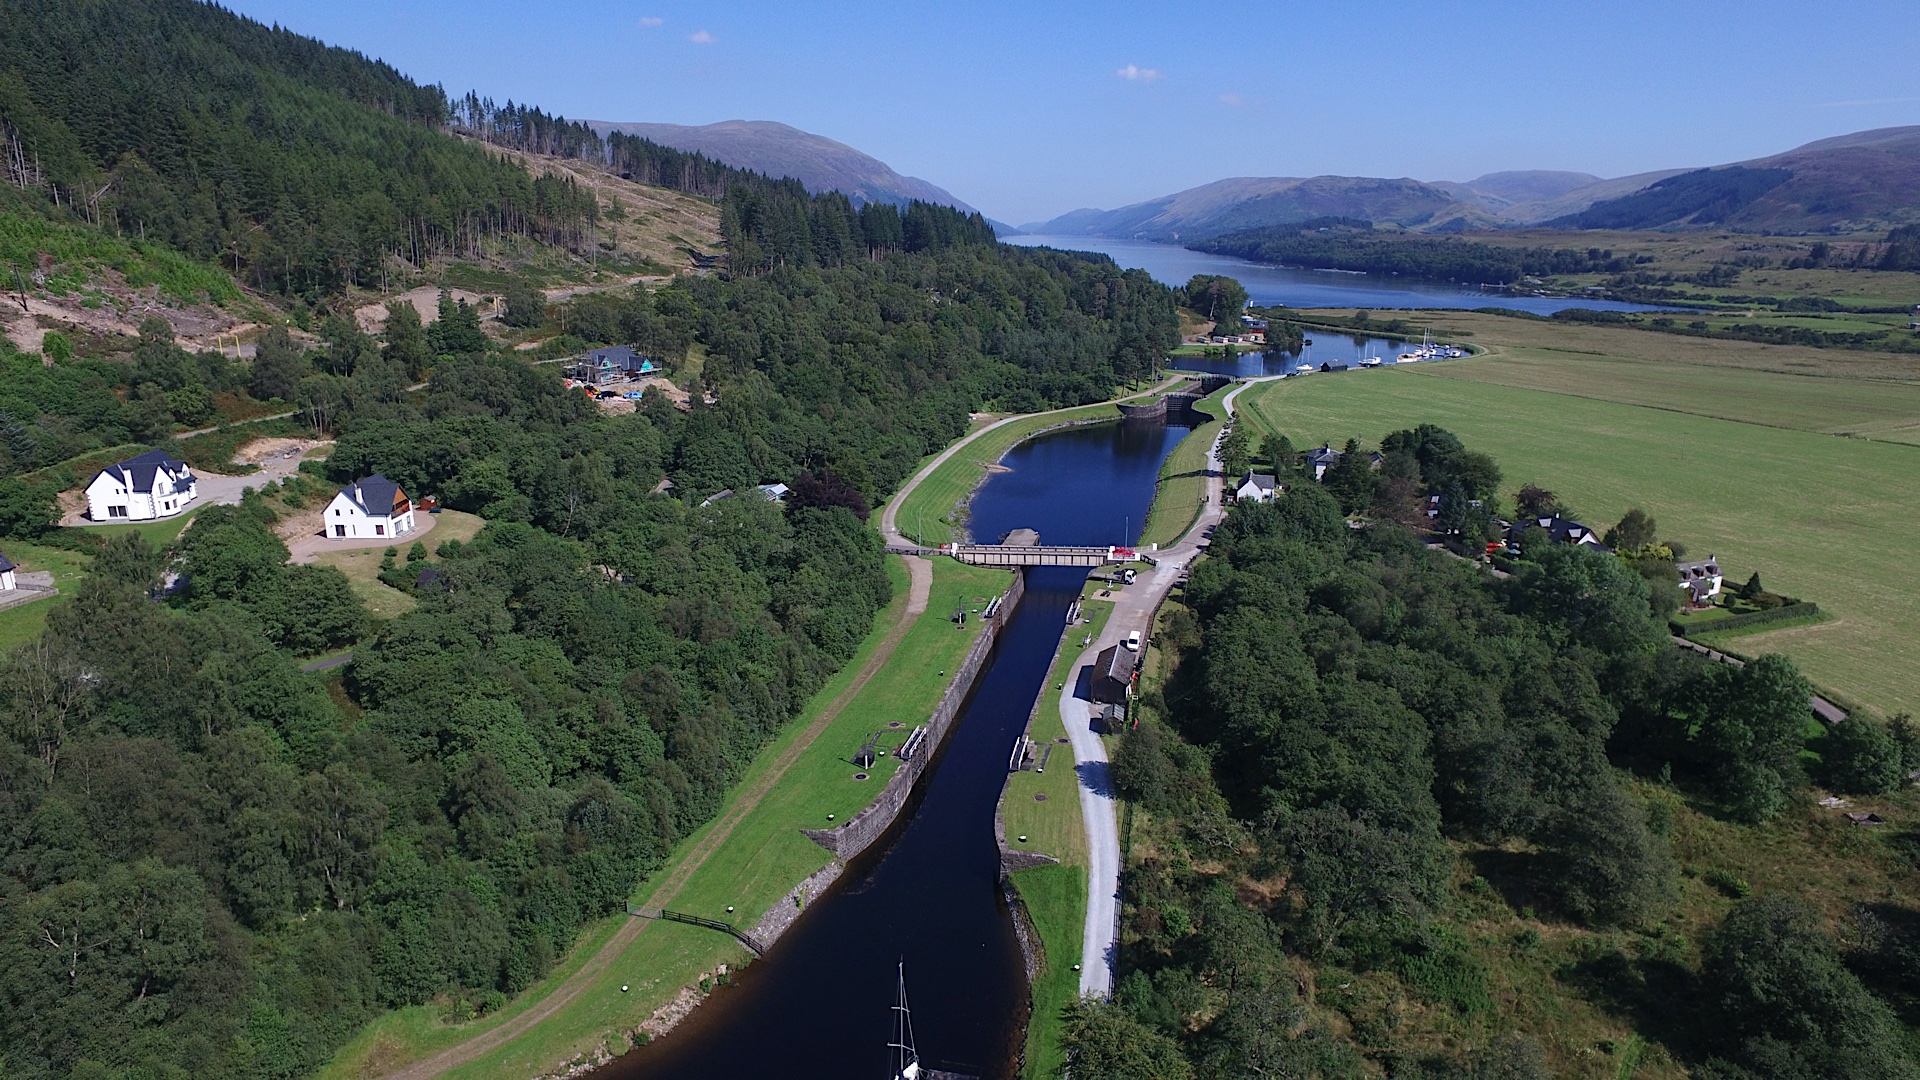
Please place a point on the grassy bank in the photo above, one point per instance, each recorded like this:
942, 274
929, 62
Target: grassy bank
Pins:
1182, 488
24, 622
1821, 517
762, 858
1055, 896
929, 513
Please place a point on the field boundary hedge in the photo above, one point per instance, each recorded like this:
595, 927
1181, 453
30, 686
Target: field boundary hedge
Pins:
1804, 609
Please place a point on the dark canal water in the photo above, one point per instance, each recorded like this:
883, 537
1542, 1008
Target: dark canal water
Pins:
820, 1004
1301, 288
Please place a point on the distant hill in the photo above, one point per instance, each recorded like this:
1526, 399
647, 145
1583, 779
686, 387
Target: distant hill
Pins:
1247, 202
1869, 180
1496, 192
1864, 182
1578, 199
779, 150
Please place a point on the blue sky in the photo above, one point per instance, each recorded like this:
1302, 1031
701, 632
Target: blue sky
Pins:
1030, 109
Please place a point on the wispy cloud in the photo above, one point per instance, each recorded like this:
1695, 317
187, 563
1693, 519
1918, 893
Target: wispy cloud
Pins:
701, 37
651, 21
1865, 101
1232, 100
1136, 73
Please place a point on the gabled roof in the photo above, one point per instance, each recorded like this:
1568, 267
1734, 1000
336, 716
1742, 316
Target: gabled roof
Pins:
138, 472
6, 564
1259, 480
1322, 455
374, 495
775, 492
1113, 664
1707, 567
723, 493
1562, 530
616, 354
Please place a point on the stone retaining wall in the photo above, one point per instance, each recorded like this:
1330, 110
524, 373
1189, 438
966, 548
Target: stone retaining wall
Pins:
782, 915
859, 832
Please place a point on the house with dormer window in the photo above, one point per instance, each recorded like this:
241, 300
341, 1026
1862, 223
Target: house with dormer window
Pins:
153, 485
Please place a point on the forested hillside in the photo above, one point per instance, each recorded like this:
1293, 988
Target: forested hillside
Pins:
1344, 244
212, 864
302, 166
1400, 816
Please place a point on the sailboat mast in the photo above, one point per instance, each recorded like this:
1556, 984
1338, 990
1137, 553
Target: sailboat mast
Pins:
906, 1059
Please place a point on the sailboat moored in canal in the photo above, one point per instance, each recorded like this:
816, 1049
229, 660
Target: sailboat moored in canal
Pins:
904, 1058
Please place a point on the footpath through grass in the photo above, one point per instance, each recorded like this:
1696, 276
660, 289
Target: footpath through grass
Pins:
760, 861
1824, 518
1045, 807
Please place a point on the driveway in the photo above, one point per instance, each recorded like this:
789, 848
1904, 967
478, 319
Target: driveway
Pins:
215, 489
311, 543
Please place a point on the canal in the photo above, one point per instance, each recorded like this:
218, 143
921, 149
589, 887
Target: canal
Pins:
819, 1004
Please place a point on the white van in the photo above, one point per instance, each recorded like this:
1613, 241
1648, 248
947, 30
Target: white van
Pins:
1133, 641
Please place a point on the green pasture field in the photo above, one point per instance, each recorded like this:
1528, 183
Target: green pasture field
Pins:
1824, 518
1182, 488
1056, 896
1502, 332
1868, 408
763, 858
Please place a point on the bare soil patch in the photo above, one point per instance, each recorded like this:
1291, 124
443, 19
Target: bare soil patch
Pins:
425, 300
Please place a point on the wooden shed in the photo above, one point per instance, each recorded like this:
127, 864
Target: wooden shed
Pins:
1112, 676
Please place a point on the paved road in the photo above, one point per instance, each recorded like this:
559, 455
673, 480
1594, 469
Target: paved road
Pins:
1133, 610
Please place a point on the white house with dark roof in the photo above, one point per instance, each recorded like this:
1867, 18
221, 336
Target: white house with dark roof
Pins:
1256, 487
1319, 459
370, 509
1702, 579
7, 580
153, 485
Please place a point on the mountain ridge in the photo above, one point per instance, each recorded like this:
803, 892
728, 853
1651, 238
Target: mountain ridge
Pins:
1861, 181
777, 149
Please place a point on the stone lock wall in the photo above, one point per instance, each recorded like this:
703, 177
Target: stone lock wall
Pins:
860, 831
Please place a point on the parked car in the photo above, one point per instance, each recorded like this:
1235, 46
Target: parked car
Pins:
1133, 641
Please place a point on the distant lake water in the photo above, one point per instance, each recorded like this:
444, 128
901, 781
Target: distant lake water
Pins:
1294, 288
